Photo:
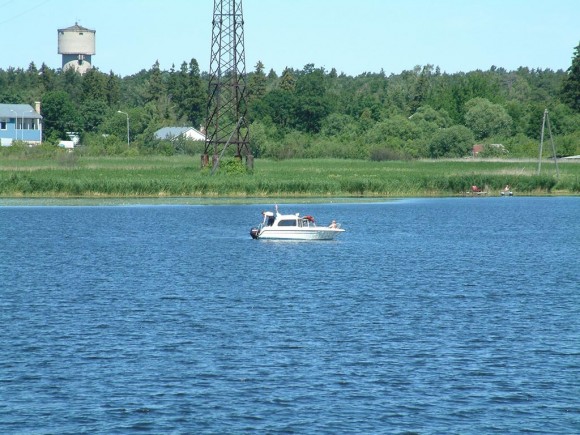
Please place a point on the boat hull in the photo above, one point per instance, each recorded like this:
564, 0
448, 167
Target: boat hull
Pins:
317, 233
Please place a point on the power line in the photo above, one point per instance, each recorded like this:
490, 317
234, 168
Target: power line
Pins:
23, 12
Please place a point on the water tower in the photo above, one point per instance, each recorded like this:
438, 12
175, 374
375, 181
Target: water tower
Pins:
77, 45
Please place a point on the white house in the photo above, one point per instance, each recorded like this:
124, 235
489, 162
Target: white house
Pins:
172, 133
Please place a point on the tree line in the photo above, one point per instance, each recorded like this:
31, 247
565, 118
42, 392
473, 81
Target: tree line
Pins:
313, 112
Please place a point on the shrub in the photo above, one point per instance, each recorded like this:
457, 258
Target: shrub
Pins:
383, 154
454, 141
233, 166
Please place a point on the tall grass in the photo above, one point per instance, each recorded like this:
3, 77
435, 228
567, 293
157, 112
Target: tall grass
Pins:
157, 176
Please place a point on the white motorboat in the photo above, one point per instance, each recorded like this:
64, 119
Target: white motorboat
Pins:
277, 226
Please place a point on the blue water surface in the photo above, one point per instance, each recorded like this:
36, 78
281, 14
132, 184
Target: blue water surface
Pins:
458, 315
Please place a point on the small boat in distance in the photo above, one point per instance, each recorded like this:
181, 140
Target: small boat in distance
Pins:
277, 226
507, 191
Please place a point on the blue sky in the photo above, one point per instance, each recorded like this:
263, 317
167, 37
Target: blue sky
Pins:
353, 36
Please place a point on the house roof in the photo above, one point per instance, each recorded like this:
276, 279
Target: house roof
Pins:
173, 132
21, 110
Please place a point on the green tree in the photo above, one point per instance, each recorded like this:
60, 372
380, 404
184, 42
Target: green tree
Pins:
187, 93
155, 87
400, 91
195, 97
563, 120
279, 105
257, 83
288, 80
32, 78
177, 89
366, 120
336, 125
48, 78
94, 86
112, 91
59, 115
571, 87
272, 74
422, 88
71, 82
396, 130
93, 113
486, 119
455, 141
518, 87
311, 106
439, 118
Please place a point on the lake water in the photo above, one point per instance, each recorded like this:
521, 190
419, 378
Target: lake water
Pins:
458, 315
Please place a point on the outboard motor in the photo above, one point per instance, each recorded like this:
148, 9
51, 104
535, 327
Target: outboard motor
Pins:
254, 232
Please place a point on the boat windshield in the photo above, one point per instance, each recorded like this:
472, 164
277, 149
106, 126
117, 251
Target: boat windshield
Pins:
268, 219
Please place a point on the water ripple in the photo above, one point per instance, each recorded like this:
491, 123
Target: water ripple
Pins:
166, 320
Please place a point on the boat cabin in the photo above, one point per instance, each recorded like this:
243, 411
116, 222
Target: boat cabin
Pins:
279, 220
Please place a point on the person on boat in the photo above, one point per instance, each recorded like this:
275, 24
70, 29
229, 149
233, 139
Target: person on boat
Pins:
269, 218
506, 191
333, 224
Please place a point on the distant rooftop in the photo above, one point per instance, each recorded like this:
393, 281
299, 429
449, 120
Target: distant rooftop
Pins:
20, 110
173, 132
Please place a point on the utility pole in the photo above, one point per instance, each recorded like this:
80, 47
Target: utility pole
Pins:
547, 118
226, 122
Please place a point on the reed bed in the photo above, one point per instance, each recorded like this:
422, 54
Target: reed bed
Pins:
181, 176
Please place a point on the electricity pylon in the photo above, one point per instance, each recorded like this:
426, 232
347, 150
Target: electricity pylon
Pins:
227, 103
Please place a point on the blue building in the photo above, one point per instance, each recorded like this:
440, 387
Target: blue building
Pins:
20, 122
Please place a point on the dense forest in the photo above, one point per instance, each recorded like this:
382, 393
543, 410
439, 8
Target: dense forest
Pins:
313, 112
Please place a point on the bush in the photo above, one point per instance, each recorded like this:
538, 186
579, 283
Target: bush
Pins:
383, 154
16, 150
22, 150
454, 141
233, 166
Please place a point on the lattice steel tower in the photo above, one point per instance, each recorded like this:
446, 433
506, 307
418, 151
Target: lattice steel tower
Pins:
227, 103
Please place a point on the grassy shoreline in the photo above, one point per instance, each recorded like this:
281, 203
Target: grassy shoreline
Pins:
323, 179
